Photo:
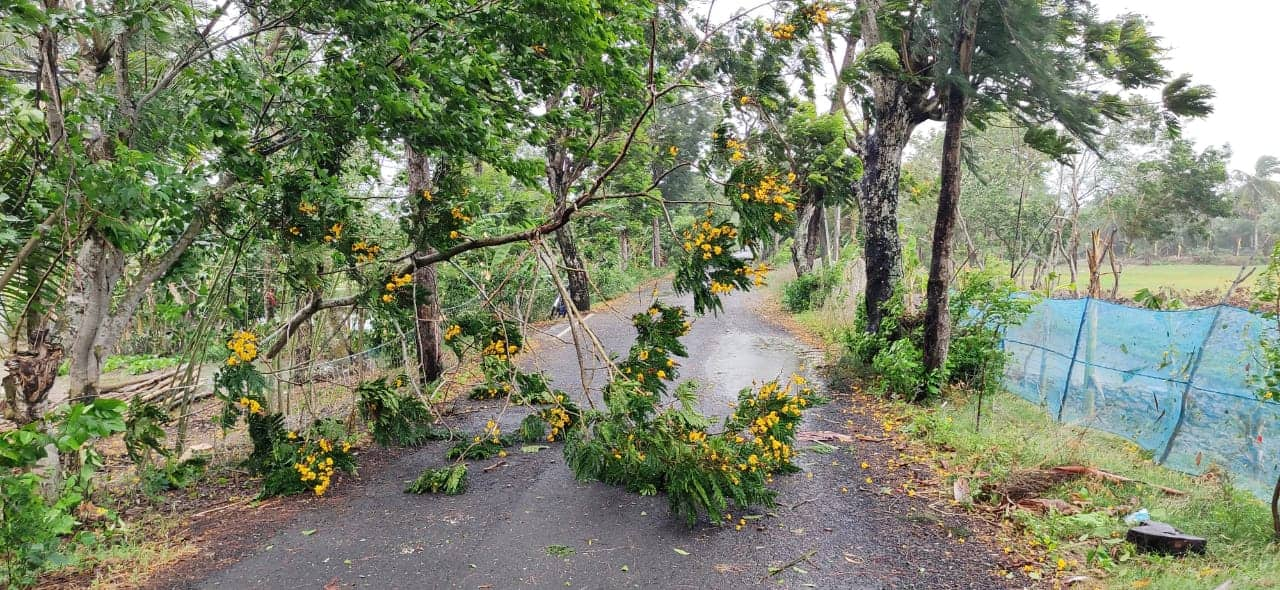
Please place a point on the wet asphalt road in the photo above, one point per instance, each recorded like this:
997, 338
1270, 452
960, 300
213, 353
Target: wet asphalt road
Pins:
497, 534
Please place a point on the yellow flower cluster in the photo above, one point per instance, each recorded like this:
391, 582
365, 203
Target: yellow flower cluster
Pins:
308, 208
335, 233
452, 332
771, 191
674, 151
459, 215
782, 32
295, 230
500, 349
251, 405
756, 274
737, 148
314, 469
558, 419
493, 392
426, 195
396, 283
243, 346
710, 240
819, 13
365, 252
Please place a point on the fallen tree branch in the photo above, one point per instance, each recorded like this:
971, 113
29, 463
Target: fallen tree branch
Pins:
1112, 477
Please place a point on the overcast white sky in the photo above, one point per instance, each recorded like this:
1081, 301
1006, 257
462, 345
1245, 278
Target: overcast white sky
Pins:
1231, 45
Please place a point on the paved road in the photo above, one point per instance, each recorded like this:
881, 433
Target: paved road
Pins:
497, 534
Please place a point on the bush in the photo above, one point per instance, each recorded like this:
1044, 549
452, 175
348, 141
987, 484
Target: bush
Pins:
982, 306
32, 523
810, 291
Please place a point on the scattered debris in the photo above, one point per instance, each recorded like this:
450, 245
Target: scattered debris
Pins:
960, 490
450, 480
561, 550
773, 571
1158, 537
1049, 504
823, 436
1111, 477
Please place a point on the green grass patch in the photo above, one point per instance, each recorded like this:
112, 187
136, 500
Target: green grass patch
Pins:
1182, 278
1018, 437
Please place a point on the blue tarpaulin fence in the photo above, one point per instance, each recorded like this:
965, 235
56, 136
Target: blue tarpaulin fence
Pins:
1181, 384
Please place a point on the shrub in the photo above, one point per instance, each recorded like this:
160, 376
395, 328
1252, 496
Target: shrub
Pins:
31, 522
810, 291
982, 306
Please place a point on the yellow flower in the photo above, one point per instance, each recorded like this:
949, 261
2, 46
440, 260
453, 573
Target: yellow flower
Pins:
426, 195
744, 100
295, 231
387, 298
662, 374
453, 235
673, 150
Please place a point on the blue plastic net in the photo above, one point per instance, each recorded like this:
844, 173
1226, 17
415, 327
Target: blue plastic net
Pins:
1181, 384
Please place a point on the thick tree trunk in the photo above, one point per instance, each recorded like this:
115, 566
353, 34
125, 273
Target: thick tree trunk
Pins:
95, 272
561, 172
426, 288
578, 284
427, 321
937, 315
882, 249
808, 235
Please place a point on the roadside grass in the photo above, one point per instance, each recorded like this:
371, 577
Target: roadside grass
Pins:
1018, 442
1018, 438
127, 557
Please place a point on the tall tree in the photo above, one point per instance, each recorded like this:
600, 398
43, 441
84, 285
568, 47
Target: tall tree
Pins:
1258, 191
1039, 62
937, 318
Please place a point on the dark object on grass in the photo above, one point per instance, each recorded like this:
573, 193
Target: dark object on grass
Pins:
1158, 537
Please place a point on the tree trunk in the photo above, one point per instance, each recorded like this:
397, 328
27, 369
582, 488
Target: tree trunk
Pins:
97, 268
937, 315
427, 314
624, 249
578, 284
427, 321
561, 172
808, 235
655, 255
879, 193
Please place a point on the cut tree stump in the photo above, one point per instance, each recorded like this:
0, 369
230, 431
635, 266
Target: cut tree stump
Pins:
1158, 537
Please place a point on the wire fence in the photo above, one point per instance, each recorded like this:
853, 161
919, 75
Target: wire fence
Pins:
1181, 384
